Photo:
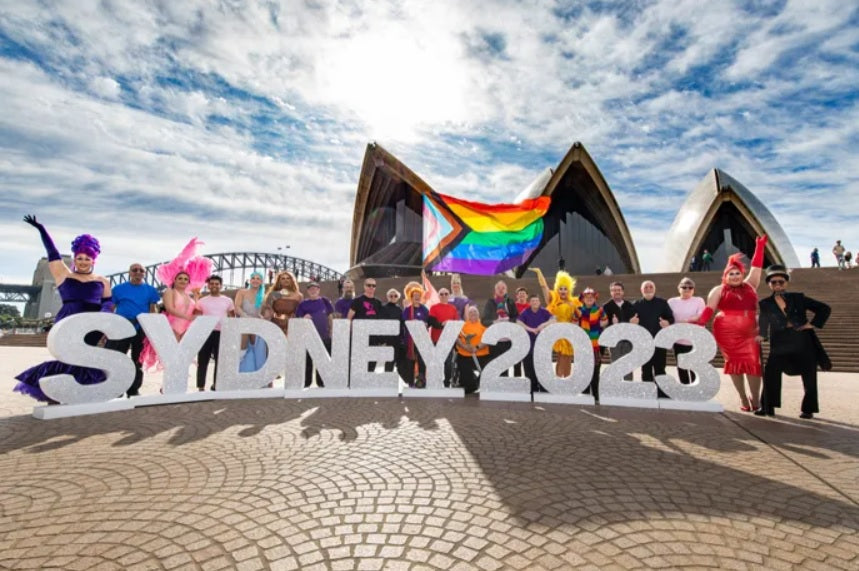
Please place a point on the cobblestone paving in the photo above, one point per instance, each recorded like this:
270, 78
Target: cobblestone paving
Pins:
428, 484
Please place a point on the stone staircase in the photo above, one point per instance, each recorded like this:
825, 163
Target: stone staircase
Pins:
24, 340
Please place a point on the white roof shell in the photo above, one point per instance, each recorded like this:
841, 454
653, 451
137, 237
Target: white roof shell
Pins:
687, 233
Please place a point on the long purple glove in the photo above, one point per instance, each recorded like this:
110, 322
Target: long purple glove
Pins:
107, 304
53, 253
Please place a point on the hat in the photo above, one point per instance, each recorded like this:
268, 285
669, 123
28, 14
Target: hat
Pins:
313, 284
588, 290
777, 270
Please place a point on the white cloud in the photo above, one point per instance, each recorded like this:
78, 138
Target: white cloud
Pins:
245, 123
105, 87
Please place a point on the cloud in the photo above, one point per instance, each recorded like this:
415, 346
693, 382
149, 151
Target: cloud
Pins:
245, 123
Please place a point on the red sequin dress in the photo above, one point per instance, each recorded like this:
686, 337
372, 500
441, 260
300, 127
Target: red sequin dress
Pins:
735, 328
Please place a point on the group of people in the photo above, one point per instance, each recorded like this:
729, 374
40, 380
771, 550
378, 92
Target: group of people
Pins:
741, 321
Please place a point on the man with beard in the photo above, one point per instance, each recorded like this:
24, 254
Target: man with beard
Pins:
341, 306
618, 310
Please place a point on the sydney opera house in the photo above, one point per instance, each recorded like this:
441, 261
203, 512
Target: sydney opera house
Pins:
584, 225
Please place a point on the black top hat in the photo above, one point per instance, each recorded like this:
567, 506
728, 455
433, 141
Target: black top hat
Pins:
777, 270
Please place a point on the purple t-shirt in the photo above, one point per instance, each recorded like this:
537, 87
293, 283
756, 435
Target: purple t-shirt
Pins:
459, 303
318, 309
534, 319
341, 306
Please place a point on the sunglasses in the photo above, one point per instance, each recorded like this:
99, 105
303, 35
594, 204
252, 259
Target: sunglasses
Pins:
778, 282
443, 293
137, 270
687, 287
369, 285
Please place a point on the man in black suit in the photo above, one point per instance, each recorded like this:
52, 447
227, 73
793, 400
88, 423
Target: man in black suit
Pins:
618, 310
654, 314
794, 348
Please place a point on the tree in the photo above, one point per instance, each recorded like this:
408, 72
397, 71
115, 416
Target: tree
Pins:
7, 309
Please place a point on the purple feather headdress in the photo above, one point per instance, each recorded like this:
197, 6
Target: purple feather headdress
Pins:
86, 244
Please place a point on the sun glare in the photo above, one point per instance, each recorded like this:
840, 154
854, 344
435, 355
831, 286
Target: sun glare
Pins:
396, 83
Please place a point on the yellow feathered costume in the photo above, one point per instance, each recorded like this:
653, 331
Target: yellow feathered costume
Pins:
564, 310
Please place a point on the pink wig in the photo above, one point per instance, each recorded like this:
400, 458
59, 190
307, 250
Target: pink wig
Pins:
197, 267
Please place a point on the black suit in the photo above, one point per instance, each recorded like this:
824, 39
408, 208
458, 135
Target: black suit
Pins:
624, 312
792, 352
649, 313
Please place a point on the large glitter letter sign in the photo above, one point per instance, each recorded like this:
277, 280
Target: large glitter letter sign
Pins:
176, 357
492, 385
434, 356
699, 394
66, 344
231, 382
564, 389
338, 369
614, 390
333, 369
367, 383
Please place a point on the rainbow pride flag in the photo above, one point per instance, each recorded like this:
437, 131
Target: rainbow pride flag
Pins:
483, 239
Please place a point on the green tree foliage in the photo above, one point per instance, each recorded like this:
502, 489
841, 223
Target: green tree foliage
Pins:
6, 309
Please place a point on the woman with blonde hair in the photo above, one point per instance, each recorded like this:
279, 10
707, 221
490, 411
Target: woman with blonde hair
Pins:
282, 300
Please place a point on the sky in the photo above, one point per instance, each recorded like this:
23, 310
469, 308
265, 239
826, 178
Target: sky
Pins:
245, 123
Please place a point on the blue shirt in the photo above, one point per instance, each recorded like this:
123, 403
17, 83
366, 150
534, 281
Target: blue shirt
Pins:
132, 300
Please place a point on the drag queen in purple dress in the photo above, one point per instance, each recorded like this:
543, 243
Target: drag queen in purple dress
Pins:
81, 291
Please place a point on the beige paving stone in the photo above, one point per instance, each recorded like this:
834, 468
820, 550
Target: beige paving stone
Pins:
342, 483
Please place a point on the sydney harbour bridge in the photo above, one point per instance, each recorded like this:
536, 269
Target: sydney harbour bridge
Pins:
233, 267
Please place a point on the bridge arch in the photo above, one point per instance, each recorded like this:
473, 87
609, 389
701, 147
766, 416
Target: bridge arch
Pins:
235, 267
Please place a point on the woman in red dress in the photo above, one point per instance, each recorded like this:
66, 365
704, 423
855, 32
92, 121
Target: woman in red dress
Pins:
736, 325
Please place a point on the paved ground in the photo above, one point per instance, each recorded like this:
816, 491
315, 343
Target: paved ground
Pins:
387, 483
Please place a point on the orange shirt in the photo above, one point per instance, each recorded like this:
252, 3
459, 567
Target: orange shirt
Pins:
477, 329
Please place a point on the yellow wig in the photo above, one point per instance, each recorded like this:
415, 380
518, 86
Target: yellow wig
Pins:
564, 311
563, 279
410, 288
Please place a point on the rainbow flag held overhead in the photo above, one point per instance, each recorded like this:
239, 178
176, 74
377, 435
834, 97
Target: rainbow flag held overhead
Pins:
482, 239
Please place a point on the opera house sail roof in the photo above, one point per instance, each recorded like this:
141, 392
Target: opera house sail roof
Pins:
722, 216
584, 225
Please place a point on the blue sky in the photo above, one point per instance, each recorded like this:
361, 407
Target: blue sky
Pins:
245, 123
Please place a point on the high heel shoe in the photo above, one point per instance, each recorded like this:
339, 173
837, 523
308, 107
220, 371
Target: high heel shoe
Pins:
745, 408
